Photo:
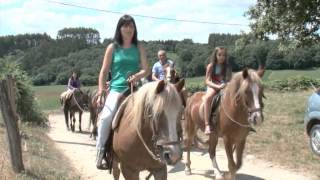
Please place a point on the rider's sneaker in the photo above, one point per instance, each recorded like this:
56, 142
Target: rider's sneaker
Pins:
99, 160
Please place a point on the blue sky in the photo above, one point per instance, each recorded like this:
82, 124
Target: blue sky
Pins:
39, 16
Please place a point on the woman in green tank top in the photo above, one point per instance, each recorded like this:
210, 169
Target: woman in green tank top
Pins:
125, 56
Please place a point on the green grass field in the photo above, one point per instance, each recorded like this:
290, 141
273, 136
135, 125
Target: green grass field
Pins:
48, 96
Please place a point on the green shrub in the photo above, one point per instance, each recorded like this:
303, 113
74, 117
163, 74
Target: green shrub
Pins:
88, 80
195, 87
43, 79
293, 83
27, 107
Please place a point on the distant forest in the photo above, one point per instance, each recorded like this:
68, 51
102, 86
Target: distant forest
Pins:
50, 61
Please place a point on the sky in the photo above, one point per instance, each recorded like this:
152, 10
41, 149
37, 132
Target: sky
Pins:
46, 16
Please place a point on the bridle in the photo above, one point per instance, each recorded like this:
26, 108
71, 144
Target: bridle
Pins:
249, 111
157, 144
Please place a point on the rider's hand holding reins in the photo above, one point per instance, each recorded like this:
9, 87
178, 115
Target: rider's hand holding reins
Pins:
99, 94
223, 85
132, 79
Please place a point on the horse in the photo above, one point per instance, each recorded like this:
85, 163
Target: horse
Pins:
78, 101
170, 74
240, 109
145, 131
94, 110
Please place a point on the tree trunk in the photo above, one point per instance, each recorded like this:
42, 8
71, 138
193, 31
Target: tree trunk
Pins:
10, 117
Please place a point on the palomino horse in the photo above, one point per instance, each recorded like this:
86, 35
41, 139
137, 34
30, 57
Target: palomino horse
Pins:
77, 102
146, 137
240, 108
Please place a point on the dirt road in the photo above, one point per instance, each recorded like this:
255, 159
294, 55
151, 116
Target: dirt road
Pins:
80, 149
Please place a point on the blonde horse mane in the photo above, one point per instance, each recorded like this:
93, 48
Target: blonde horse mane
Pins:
146, 102
238, 84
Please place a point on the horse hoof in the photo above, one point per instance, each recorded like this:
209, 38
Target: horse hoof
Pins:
228, 176
188, 172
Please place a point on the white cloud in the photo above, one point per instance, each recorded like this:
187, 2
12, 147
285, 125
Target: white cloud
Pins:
39, 16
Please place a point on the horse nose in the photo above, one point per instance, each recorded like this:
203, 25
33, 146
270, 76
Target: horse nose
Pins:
257, 119
172, 155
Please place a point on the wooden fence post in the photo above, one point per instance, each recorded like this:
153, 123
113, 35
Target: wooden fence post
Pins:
10, 117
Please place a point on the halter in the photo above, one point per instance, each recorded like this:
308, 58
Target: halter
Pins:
250, 111
157, 145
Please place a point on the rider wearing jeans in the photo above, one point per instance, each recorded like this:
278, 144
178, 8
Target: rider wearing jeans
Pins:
123, 57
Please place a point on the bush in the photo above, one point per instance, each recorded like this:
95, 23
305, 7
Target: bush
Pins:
62, 78
43, 79
293, 83
88, 80
27, 107
195, 87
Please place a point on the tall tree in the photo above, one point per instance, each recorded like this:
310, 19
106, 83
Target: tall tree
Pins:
291, 20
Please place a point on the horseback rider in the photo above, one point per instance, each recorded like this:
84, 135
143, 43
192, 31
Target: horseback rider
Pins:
157, 69
73, 84
218, 73
125, 55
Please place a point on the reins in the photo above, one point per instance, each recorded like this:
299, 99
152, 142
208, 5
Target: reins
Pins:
77, 103
151, 153
231, 119
141, 138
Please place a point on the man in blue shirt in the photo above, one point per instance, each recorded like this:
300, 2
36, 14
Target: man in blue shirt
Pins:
157, 69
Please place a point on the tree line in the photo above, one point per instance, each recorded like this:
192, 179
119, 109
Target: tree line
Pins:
50, 61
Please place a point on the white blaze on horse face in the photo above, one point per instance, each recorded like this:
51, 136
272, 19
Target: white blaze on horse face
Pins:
256, 116
172, 114
168, 73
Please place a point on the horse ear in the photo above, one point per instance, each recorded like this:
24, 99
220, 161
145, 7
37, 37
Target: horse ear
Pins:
179, 85
160, 86
245, 73
261, 70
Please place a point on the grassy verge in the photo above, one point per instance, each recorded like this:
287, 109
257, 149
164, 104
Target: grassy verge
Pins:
282, 138
41, 159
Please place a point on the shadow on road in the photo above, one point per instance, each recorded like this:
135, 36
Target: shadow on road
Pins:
76, 143
247, 177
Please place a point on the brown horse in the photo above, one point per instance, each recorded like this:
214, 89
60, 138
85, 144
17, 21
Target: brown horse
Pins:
77, 102
240, 109
94, 110
170, 74
146, 137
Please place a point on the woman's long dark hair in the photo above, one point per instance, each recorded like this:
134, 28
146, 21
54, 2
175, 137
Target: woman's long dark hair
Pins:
214, 60
76, 74
125, 19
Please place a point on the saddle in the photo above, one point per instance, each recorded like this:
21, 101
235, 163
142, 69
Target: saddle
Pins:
215, 103
115, 122
214, 106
